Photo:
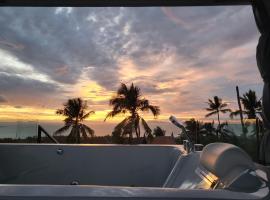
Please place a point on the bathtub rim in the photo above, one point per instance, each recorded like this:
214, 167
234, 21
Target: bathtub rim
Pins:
93, 191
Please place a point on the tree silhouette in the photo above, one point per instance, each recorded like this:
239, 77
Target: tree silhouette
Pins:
116, 137
129, 101
194, 129
215, 107
252, 106
158, 131
75, 112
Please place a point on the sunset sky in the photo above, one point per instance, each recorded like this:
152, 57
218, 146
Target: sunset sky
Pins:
179, 57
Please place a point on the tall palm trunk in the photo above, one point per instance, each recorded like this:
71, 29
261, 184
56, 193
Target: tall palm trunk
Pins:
197, 132
136, 126
218, 129
196, 135
139, 131
77, 132
240, 109
78, 135
252, 114
130, 138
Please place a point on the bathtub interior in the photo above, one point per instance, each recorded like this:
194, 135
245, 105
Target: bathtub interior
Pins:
142, 172
135, 166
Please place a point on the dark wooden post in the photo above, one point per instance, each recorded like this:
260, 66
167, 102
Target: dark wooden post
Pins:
40, 130
257, 130
240, 108
39, 134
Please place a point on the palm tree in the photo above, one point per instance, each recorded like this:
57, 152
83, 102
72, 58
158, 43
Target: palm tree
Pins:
158, 131
215, 107
252, 106
129, 101
116, 137
194, 128
209, 128
75, 112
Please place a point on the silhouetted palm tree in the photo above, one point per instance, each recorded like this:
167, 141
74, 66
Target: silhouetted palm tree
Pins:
129, 101
158, 131
75, 112
116, 137
216, 106
227, 134
252, 106
194, 129
209, 128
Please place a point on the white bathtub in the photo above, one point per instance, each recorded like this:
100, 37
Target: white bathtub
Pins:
111, 165
34, 171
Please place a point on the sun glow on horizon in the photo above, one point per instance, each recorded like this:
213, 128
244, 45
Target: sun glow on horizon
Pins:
11, 113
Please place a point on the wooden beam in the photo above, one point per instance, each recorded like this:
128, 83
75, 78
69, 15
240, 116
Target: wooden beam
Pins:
117, 3
240, 108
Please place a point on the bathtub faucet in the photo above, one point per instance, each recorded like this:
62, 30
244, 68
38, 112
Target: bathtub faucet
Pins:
189, 144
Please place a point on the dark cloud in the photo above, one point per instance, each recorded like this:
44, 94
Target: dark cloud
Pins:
26, 91
22, 85
185, 92
152, 89
3, 99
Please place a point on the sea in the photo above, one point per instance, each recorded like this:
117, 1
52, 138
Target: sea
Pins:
24, 129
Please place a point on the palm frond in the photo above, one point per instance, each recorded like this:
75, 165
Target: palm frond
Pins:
72, 135
119, 101
155, 110
210, 101
137, 121
61, 130
144, 105
87, 115
114, 113
217, 101
234, 113
137, 125
146, 127
128, 127
122, 89
69, 120
88, 130
223, 105
212, 105
225, 110
211, 113
83, 133
123, 123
